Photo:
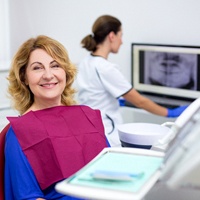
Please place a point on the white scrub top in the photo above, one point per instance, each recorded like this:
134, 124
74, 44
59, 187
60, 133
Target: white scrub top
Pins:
100, 84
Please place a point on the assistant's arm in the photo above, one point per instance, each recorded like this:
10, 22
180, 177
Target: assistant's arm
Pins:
140, 101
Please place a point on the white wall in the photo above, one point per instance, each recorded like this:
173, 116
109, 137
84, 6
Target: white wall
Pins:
157, 21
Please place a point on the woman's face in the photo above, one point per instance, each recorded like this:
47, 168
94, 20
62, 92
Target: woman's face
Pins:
45, 77
117, 42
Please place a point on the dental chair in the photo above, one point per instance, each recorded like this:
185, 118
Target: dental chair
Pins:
130, 173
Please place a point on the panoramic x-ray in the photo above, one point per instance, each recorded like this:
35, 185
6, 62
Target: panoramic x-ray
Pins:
171, 69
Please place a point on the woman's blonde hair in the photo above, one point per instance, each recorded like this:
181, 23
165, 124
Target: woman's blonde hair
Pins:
21, 96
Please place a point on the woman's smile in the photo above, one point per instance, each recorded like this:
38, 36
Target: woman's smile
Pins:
48, 85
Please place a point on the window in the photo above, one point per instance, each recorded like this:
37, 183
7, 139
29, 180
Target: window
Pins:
4, 34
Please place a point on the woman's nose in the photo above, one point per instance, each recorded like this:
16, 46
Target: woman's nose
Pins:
47, 74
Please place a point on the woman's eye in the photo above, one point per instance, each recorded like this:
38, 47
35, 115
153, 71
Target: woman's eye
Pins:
55, 66
37, 67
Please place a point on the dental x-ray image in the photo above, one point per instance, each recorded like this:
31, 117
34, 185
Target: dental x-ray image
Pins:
175, 70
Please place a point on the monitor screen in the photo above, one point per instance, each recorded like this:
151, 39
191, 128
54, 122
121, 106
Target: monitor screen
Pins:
166, 70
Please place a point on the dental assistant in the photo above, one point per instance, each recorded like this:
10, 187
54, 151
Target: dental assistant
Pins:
100, 83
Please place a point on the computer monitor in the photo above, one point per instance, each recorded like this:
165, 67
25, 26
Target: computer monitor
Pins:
166, 70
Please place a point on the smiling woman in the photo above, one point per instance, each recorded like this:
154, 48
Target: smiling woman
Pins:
43, 58
46, 144
45, 78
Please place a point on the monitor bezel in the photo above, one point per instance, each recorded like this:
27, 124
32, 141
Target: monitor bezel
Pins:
162, 91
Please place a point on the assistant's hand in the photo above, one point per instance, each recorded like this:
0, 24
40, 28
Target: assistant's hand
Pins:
175, 112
